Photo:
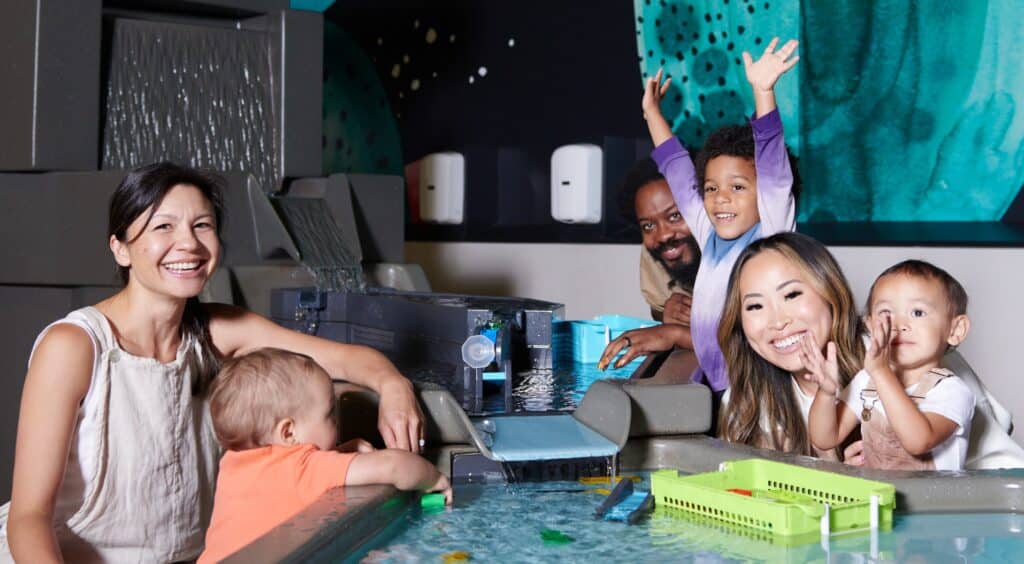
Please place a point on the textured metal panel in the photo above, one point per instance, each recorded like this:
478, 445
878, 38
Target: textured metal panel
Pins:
55, 226
221, 8
194, 94
50, 71
301, 92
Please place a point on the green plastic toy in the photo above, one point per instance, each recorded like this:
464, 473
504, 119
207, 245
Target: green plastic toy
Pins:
551, 536
432, 501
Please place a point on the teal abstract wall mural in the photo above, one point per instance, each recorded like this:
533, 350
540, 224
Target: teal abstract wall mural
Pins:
699, 44
900, 110
359, 128
909, 109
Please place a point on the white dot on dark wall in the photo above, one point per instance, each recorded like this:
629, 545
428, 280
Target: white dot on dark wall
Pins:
380, 41
415, 85
401, 94
431, 35
511, 42
405, 58
482, 71
434, 74
472, 79
451, 38
416, 24
396, 70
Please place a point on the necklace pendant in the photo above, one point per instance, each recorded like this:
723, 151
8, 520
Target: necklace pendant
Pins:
865, 414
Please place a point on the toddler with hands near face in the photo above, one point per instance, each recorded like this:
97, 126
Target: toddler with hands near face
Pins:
913, 414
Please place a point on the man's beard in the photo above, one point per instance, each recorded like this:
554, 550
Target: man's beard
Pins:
683, 273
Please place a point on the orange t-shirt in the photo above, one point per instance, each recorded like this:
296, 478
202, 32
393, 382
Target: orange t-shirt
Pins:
260, 488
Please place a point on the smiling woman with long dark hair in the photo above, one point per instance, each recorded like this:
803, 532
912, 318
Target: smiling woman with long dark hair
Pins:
782, 289
116, 457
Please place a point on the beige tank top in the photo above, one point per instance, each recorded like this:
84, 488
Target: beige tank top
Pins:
138, 486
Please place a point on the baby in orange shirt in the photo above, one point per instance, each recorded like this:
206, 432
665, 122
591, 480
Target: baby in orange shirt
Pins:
274, 413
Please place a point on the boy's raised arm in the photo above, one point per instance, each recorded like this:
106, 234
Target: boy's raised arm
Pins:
654, 91
763, 73
672, 159
774, 175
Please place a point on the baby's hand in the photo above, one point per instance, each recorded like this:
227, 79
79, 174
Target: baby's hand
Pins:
877, 357
824, 370
356, 445
854, 454
762, 74
444, 486
654, 91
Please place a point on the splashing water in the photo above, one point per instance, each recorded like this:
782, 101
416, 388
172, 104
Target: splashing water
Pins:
321, 244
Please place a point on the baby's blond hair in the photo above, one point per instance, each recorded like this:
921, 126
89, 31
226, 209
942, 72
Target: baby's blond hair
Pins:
253, 392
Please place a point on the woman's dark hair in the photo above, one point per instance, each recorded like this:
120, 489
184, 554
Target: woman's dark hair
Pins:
142, 192
737, 141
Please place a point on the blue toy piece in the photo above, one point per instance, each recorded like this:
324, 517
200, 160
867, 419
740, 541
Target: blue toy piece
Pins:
625, 504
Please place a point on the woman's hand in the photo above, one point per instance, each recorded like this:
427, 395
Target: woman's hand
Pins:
822, 369
639, 342
399, 418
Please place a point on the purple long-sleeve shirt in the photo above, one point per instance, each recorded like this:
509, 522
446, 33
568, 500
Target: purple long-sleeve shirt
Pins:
776, 208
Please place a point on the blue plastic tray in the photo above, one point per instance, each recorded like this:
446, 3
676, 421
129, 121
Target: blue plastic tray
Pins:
586, 339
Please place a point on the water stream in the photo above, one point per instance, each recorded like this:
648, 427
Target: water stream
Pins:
321, 244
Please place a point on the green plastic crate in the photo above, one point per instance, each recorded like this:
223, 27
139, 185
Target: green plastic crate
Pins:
787, 500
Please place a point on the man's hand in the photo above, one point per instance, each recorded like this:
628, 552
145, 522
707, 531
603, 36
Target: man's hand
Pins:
677, 309
640, 342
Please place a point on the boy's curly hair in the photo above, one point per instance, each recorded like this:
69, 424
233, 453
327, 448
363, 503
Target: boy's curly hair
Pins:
736, 141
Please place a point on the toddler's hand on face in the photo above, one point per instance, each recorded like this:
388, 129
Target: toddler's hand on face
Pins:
356, 445
877, 357
654, 91
763, 73
823, 369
